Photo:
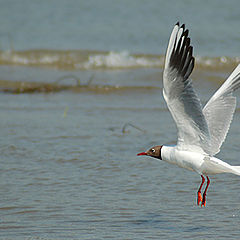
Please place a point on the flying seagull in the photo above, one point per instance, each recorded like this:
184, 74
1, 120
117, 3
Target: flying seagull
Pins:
201, 131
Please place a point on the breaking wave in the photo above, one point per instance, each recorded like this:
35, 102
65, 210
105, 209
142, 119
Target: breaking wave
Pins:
85, 59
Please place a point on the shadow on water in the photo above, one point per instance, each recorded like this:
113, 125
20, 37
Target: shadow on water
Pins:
162, 222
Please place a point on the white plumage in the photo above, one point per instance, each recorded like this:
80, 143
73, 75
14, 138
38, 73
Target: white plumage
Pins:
220, 109
201, 131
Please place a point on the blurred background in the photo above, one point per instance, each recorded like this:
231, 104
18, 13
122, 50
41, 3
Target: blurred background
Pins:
80, 95
136, 26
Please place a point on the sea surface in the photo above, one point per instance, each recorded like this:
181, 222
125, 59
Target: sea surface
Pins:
81, 95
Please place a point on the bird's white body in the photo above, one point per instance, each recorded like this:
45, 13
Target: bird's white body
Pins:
197, 161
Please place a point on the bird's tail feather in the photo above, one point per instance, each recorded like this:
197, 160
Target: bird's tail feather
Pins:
215, 166
236, 170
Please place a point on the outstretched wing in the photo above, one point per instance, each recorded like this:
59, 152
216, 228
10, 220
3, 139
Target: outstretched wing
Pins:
182, 101
220, 109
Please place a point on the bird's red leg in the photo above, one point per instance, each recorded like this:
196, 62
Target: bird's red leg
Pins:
199, 197
205, 193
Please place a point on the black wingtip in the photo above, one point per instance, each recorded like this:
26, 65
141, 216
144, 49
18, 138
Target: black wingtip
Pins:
186, 32
182, 54
190, 49
183, 27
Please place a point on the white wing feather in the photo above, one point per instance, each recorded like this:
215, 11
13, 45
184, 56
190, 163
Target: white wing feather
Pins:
220, 109
182, 101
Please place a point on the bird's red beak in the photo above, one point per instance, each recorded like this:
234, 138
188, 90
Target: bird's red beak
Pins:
142, 153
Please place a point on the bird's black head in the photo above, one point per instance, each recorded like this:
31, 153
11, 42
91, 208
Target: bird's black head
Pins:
153, 152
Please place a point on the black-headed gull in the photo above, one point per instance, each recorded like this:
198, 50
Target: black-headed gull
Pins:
201, 131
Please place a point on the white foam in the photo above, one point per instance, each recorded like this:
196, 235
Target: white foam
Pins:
121, 60
28, 59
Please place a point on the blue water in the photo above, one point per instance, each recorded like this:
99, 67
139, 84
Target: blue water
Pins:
138, 26
67, 168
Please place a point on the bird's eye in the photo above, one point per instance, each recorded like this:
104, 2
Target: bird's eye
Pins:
153, 150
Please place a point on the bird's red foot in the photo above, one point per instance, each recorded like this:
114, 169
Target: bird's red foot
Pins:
204, 200
199, 198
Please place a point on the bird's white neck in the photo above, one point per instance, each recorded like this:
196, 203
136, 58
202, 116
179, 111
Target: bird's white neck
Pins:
168, 153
